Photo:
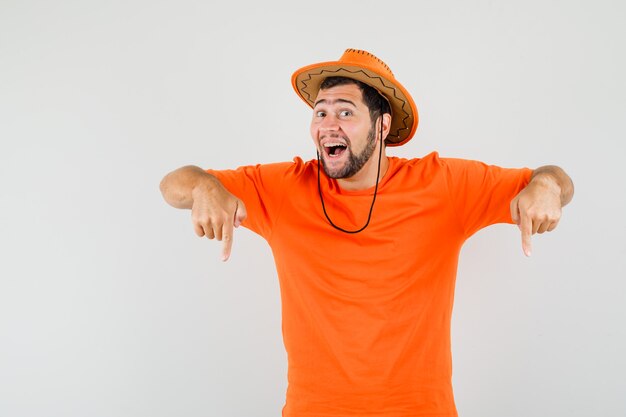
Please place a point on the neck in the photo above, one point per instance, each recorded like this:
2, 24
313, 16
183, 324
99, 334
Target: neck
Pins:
366, 177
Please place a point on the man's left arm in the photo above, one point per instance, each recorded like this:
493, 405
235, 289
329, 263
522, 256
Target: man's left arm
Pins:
537, 208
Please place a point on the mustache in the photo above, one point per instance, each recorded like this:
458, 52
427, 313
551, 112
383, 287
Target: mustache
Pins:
336, 135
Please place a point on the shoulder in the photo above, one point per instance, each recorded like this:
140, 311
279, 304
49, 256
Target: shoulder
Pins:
279, 172
428, 165
432, 167
430, 161
433, 163
294, 167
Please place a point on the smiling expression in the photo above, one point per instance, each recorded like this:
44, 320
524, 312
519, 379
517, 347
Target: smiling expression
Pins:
342, 130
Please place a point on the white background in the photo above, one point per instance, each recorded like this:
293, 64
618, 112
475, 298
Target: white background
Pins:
111, 306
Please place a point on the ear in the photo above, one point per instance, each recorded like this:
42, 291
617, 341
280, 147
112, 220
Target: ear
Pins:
386, 125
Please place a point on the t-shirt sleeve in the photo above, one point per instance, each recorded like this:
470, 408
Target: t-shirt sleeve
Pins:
260, 187
481, 193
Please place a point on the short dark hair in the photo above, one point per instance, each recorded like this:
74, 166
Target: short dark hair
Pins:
371, 97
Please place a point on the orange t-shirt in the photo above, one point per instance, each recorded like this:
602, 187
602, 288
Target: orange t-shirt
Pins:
366, 316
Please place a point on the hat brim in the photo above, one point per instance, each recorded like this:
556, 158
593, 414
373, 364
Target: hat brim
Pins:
307, 80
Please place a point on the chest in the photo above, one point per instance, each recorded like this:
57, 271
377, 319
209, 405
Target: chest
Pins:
403, 225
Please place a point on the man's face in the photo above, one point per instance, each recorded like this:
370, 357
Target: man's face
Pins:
342, 130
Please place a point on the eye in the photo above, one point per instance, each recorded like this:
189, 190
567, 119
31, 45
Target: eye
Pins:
320, 113
345, 113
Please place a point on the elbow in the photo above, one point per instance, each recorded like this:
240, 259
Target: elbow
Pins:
561, 178
176, 187
164, 187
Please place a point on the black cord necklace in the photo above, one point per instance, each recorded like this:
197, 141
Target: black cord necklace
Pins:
319, 187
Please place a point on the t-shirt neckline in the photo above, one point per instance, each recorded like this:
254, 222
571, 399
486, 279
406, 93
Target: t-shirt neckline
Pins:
333, 185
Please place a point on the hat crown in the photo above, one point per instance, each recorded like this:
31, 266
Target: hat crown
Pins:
363, 66
363, 58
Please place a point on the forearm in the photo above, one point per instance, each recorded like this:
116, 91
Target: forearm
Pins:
179, 185
553, 176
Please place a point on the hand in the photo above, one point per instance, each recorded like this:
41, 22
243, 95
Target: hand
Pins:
215, 212
537, 209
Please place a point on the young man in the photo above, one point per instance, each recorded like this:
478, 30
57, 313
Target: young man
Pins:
367, 251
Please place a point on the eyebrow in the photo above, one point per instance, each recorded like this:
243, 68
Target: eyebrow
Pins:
339, 100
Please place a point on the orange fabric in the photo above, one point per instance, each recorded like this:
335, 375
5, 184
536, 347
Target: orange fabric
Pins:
366, 317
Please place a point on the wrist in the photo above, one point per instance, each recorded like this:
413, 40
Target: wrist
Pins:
549, 182
203, 185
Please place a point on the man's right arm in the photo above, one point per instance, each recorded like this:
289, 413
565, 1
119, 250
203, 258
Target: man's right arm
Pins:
214, 210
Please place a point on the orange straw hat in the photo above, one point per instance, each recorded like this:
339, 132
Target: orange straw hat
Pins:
365, 67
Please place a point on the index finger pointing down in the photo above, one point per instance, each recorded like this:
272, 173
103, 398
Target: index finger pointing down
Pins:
227, 239
526, 227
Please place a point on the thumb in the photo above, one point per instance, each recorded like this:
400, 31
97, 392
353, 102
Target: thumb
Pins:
240, 213
515, 211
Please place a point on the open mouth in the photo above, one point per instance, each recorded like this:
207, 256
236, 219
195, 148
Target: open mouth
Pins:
334, 150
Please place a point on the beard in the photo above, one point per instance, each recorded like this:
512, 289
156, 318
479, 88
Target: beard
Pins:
355, 161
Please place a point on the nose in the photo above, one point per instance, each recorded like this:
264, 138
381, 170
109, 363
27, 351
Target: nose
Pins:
329, 123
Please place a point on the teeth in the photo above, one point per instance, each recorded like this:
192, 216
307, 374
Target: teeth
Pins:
330, 144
